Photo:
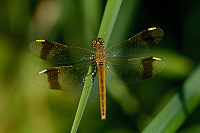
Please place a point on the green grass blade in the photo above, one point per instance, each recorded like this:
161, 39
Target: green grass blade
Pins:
83, 100
107, 24
172, 116
109, 18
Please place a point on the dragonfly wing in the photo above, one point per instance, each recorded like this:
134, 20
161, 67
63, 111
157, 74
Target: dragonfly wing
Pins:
70, 77
136, 45
59, 53
133, 70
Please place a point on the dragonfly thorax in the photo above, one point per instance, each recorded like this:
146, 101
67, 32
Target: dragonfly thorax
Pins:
98, 45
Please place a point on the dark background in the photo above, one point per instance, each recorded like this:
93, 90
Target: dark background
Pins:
25, 107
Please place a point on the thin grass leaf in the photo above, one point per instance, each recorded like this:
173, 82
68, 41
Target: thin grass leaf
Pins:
172, 116
107, 24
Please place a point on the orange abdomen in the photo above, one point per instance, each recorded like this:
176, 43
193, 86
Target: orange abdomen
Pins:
102, 89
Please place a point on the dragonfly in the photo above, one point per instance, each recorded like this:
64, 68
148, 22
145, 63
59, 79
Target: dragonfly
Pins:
119, 63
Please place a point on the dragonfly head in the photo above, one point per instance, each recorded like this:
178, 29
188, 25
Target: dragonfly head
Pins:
98, 42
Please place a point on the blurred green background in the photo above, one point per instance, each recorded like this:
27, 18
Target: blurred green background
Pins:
25, 107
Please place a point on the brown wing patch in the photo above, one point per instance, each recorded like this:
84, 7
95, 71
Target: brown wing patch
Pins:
53, 78
147, 64
47, 46
151, 36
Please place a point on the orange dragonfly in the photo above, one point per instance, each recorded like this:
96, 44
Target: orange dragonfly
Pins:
118, 63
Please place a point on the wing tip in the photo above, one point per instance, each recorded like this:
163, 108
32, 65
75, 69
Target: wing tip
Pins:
40, 40
153, 28
43, 71
156, 58
156, 28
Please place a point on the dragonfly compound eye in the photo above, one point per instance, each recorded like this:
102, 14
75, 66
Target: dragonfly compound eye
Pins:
102, 41
94, 43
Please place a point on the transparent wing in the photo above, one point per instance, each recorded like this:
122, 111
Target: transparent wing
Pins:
63, 77
133, 70
58, 53
136, 45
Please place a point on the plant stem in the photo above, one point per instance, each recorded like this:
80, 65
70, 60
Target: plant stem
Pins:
107, 24
83, 100
109, 18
